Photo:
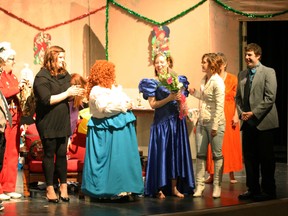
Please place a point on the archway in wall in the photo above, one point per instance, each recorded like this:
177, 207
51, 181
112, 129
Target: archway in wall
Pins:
272, 37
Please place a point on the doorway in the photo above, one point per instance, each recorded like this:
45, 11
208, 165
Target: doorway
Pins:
272, 37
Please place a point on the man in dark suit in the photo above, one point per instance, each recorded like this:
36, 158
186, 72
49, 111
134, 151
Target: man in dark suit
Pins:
255, 98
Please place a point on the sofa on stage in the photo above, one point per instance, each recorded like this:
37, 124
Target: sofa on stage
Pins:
33, 154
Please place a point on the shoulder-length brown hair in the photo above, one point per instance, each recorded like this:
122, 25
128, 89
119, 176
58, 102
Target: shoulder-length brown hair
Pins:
102, 74
51, 58
214, 62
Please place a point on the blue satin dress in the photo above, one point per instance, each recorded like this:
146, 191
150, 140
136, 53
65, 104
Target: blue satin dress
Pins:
169, 154
112, 162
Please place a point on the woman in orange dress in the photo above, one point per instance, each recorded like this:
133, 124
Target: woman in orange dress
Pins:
231, 148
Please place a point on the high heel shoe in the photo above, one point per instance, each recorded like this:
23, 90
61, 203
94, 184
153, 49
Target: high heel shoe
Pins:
64, 199
52, 200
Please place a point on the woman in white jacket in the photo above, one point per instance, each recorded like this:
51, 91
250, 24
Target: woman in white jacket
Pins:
211, 123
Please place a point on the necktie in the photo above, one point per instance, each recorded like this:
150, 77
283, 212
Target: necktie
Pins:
6, 109
252, 74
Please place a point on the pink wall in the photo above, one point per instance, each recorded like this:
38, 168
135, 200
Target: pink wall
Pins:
224, 27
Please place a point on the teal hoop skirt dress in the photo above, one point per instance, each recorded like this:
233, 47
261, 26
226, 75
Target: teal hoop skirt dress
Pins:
112, 163
169, 154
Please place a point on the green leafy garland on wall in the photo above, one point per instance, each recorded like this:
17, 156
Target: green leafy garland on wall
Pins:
146, 19
226, 7
153, 21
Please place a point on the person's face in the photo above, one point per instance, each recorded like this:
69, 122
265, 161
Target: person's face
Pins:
223, 66
205, 65
251, 59
9, 64
61, 59
160, 64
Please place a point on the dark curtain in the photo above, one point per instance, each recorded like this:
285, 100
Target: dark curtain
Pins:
272, 36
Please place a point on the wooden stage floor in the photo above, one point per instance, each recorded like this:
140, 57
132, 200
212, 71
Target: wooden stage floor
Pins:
228, 204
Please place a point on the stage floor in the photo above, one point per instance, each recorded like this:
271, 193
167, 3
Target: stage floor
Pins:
228, 204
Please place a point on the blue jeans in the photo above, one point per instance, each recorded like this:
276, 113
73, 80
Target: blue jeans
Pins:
203, 138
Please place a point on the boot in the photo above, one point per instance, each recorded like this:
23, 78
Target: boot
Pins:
200, 177
218, 173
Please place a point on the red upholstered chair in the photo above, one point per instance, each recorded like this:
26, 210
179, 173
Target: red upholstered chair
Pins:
32, 169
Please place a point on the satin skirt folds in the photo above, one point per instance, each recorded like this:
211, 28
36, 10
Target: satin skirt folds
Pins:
169, 157
112, 162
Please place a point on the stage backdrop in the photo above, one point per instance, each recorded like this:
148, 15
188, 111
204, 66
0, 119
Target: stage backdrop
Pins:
121, 32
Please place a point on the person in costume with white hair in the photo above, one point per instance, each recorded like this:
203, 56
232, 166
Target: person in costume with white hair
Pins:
9, 86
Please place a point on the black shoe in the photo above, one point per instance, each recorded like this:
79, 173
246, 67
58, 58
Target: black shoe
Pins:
246, 196
264, 197
52, 200
64, 199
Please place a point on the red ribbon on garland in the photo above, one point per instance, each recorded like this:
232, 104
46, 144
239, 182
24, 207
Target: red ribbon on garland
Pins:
54, 26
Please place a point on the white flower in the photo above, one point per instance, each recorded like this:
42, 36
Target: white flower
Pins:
180, 85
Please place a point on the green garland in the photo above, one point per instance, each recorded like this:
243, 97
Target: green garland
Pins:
153, 21
226, 7
146, 19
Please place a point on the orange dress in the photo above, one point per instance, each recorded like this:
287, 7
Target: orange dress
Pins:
231, 149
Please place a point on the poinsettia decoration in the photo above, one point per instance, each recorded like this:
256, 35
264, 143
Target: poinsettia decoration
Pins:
160, 40
41, 42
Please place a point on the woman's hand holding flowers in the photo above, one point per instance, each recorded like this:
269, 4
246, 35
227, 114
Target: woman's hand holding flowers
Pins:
175, 96
172, 83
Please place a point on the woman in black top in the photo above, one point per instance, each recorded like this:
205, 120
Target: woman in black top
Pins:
52, 91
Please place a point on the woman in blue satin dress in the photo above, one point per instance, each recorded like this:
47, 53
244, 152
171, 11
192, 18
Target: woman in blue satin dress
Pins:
112, 167
169, 168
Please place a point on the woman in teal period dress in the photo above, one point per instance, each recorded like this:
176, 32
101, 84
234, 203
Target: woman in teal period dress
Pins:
112, 167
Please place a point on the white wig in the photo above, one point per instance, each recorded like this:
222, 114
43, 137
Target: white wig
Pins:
6, 51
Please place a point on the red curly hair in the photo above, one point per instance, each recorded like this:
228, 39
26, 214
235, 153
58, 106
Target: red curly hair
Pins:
102, 74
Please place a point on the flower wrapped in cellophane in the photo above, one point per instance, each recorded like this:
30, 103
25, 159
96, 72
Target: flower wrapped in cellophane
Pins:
172, 83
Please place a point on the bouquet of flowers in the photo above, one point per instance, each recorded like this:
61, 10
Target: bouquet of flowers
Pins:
171, 82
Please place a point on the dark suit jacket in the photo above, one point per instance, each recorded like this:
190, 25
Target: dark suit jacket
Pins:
262, 97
